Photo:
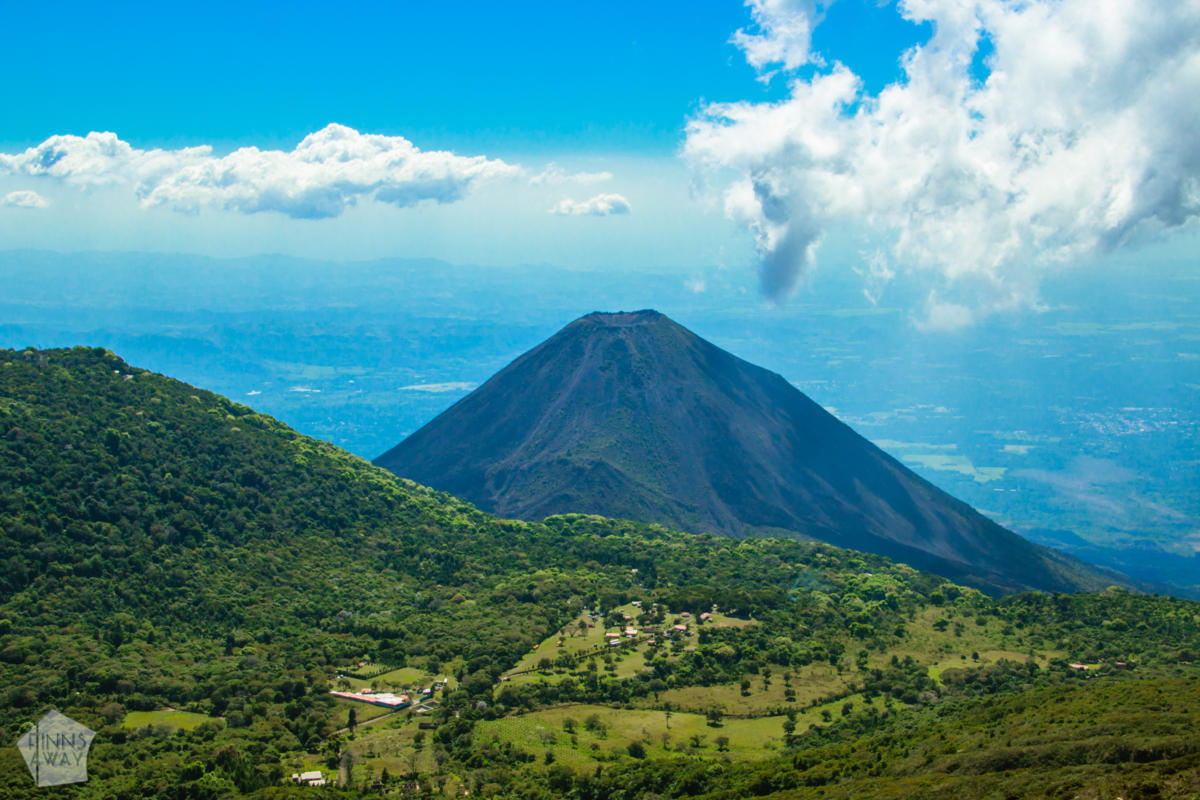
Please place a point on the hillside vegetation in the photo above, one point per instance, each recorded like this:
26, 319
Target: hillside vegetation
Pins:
190, 579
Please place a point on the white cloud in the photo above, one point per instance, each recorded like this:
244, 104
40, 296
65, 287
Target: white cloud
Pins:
451, 386
327, 172
784, 32
1081, 138
941, 316
554, 174
602, 205
24, 198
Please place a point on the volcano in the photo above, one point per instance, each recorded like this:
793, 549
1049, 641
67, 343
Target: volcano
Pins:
631, 415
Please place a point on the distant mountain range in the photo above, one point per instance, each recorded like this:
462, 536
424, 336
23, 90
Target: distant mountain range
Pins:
632, 415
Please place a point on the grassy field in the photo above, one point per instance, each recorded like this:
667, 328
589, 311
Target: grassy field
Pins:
601, 734
367, 671
961, 639
590, 640
571, 639
399, 679
175, 720
815, 682
397, 745
362, 712
590, 637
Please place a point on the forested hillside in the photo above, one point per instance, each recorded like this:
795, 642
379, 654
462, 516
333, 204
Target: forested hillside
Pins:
190, 579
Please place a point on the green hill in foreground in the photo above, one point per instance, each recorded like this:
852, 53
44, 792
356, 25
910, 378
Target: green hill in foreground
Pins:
190, 578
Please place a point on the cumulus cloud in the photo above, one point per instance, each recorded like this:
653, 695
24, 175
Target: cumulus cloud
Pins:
602, 205
327, 172
24, 198
1081, 137
784, 33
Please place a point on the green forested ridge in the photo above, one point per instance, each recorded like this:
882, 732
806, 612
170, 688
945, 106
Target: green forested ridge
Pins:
164, 547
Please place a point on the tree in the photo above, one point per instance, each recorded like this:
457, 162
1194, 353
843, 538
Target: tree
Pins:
352, 720
594, 724
636, 749
722, 743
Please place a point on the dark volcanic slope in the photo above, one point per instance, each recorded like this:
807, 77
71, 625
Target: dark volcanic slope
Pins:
632, 415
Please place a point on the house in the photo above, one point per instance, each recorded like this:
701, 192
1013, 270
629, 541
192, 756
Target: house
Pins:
705, 617
1079, 666
631, 632
612, 635
680, 628
313, 778
385, 699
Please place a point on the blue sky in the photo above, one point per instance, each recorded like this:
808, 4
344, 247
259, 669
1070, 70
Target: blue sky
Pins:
967, 148
544, 78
